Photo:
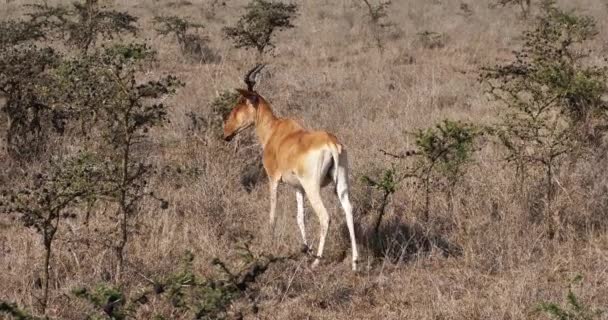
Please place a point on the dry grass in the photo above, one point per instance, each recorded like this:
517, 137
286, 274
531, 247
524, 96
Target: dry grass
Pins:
328, 74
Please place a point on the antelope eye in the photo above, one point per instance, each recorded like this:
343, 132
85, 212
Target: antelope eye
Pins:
225, 115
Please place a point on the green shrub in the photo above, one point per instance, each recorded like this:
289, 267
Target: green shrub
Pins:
573, 310
81, 24
186, 292
443, 153
378, 19
106, 298
23, 80
207, 299
25, 66
551, 97
256, 28
193, 45
377, 12
440, 160
123, 117
431, 39
13, 32
387, 183
466, 10
525, 5
222, 105
44, 202
13, 310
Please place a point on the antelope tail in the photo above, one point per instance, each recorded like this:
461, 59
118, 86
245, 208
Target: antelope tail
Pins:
335, 150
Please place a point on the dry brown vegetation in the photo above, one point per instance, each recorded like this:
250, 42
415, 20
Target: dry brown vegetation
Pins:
489, 249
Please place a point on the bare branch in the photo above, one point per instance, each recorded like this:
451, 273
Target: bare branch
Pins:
403, 155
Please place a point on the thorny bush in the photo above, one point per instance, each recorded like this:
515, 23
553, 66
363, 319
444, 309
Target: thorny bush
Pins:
191, 44
551, 95
256, 28
125, 114
443, 153
82, 24
24, 78
51, 196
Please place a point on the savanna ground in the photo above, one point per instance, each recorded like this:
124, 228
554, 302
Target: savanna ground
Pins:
487, 257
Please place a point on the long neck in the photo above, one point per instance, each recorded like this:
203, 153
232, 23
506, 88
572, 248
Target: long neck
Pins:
264, 122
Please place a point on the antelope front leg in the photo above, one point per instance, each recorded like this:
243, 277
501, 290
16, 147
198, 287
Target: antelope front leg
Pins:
274, 184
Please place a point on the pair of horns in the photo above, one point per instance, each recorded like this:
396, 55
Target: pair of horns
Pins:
250, 77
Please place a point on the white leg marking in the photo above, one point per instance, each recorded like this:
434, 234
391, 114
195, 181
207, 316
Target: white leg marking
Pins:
300, 216
312, 192
312, 186
342, 190
274, 184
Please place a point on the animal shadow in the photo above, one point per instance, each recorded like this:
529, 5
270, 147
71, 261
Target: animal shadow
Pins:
399, 242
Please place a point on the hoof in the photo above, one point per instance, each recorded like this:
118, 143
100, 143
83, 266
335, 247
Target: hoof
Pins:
315, 263
305, 249
355, 262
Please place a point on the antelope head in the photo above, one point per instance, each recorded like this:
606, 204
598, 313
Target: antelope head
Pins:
243, 114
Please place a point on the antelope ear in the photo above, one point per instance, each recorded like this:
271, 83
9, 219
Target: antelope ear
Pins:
251, 97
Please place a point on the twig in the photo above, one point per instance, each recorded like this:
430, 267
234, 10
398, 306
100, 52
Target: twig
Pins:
403, 155
293, 276
562, 187
134, 269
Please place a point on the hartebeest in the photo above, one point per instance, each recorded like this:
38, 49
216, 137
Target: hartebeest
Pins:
306, 160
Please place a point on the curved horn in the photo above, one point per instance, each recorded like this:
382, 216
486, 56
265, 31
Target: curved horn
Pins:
251, 76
